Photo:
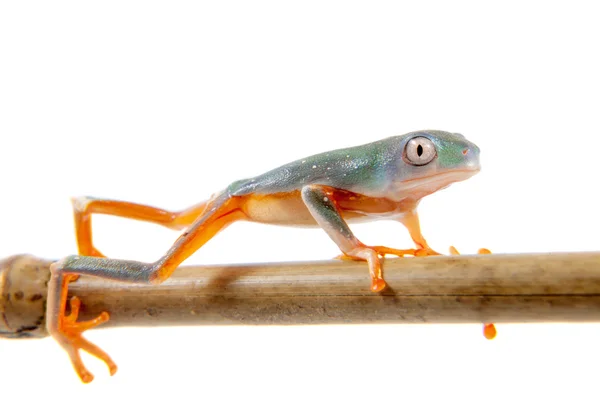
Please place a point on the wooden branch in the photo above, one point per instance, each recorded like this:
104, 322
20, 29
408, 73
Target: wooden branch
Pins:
457, 289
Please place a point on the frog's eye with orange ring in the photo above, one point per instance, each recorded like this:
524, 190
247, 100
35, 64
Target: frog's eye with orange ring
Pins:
419, 151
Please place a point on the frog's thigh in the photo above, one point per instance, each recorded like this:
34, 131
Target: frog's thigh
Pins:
278, 208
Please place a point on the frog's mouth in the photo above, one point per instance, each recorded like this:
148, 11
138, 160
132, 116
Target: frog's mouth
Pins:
419, 187
452, 176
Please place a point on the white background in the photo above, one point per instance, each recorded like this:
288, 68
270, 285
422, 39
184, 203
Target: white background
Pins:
165, 103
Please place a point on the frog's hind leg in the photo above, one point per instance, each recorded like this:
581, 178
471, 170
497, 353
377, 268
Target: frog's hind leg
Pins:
84, 207
218, 214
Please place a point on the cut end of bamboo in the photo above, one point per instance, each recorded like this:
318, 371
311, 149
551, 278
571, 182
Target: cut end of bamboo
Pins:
23, 291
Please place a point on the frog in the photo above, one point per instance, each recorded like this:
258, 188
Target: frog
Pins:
381, 180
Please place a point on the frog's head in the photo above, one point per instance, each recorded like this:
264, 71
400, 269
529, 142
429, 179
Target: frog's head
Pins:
432, 160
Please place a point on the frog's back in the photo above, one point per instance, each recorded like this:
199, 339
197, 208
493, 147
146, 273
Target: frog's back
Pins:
361, 169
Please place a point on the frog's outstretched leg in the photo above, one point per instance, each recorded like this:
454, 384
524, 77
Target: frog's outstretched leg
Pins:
84, 207
219, 213
320, 201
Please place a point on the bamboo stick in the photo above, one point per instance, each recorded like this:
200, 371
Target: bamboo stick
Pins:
450, 289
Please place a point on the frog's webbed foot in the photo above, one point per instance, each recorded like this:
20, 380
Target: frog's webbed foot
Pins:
373, 255
382, 251
70, 337
489, 330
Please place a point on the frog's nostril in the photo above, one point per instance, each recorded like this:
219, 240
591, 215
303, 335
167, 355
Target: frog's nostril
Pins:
465, 151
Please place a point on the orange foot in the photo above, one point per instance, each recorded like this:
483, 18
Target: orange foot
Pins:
72, 341
378, 283
383, 251
489, 330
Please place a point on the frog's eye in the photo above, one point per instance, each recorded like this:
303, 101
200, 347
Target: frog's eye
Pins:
419, 151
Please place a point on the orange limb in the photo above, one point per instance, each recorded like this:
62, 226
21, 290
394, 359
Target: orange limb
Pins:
195, 237
84, 207
410, 220
65, 328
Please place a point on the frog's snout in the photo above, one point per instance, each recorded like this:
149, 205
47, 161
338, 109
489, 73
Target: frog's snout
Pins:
471, 160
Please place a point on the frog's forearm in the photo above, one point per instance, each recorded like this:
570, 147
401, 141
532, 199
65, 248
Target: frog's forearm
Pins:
558, 287
320, 201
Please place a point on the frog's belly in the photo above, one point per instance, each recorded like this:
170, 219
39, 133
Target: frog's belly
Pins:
289, 209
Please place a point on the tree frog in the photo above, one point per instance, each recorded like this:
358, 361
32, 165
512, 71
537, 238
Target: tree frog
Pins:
384, 179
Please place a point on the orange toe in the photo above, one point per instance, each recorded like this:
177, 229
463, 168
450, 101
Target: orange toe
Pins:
489, 331
346, 257
453, 251
84, 375
378, 285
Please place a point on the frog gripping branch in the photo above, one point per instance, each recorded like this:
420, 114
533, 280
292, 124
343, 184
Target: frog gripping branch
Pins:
385, 179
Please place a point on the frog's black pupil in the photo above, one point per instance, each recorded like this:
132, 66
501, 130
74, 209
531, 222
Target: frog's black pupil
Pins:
419, 150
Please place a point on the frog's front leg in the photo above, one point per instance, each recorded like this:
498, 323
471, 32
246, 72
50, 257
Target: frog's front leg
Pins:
410, 220
320, 201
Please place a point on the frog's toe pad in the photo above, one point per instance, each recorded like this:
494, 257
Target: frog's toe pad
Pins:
377, 285
489, 331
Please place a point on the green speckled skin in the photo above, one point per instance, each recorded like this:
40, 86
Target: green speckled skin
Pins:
374, 169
